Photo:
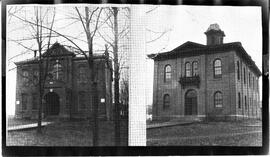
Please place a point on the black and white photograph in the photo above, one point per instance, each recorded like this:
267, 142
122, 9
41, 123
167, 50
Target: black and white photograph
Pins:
67, 75
204, 67
85, 78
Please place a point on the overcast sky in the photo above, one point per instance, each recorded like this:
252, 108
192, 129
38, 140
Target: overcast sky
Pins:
188, 23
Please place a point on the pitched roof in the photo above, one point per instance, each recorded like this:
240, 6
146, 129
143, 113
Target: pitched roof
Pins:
188, 45
57, 50
195, 49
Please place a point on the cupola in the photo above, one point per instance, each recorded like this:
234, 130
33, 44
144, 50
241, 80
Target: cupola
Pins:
214, 35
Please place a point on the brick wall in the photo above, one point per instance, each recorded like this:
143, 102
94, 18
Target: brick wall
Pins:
71, 84
228, 85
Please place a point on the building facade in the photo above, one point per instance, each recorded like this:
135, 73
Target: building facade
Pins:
217, 80
67, 85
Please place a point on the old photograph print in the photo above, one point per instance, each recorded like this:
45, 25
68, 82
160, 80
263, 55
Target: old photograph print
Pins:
67, 75
204, 76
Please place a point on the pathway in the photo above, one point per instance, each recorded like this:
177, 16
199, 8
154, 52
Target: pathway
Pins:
27, 126
167, 124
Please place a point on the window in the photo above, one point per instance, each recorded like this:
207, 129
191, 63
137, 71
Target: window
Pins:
81, 100
239, 100
250, 102
82, 74
166, 101
238, 70
253, 82
217, 68
167, 73
25, 77
245, 102
36, 77
249, 79
257, 85
194, 68
34, 101
244, 75
57, 71
218, 99
188, 69
24, 101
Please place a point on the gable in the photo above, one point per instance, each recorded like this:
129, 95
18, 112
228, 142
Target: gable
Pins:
188, 45
57, 50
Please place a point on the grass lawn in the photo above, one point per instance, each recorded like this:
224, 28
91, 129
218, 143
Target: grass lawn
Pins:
66, 133
207, 134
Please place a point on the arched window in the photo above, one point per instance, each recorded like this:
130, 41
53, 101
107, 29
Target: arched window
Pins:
244, 75
25, 77
253, 82
166, 101
245, 102
187, 69
167, 73
238, 70
82, 74
218, 99
249, 79
217, 68
239, 100
194, 68
36, 77
57, 71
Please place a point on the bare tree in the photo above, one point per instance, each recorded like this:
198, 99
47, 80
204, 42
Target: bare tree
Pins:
112, 36
41, 39
90, 19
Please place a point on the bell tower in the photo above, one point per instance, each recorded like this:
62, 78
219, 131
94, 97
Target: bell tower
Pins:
214, 35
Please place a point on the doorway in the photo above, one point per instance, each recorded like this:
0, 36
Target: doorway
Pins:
52, 106
191, 102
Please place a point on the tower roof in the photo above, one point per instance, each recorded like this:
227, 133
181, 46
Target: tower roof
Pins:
214, 28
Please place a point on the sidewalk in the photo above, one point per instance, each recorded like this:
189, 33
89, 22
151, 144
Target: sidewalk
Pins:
27, 126
167, 124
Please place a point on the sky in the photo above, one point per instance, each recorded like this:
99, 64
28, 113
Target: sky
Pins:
181, 24
188, 23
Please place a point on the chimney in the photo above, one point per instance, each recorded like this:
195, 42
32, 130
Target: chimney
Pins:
214, 35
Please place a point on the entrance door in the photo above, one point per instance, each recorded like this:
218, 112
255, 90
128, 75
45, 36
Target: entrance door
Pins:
52, 104
191, 102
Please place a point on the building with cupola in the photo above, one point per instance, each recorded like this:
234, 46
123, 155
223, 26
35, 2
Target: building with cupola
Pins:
217, 80
67, 85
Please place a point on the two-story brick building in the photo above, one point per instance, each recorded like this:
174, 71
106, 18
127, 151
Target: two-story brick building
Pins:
67, 85
217, 80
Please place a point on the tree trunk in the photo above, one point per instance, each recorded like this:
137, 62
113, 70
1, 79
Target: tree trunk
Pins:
116, 78
40, 94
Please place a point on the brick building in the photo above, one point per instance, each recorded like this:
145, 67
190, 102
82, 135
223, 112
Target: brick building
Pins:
66, 90
217, 80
